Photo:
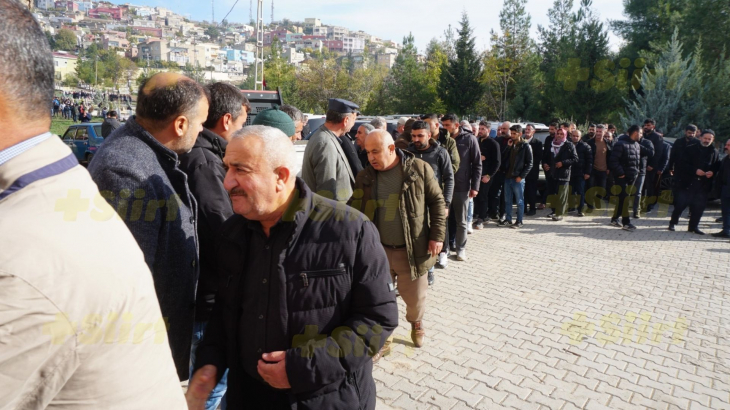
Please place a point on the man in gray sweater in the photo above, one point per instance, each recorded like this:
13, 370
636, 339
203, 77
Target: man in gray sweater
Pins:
137, 172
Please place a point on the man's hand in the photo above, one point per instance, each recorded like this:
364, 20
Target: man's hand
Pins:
659, 173
273, 370
559, 165
648, 168
434, 248
546, 167
709, 174
473, 193
485, 179
200, 386
622, 176
484, 158
518, 179
700, 173
586, 177
608, 171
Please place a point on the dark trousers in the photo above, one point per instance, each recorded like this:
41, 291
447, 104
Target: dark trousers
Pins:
725, 203
627, 191
558, 196
481, 202
597, 188
578, 189
651, 189
531, 194
496, 195
694, 198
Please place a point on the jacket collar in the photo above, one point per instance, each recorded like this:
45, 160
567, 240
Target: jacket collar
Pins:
211, 141
147, 138
432, 145
406, 160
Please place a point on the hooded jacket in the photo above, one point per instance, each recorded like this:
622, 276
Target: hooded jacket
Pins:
469, 175
439, 159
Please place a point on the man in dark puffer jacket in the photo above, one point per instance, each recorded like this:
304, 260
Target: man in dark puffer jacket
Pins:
625, 164
580, 172
306, 298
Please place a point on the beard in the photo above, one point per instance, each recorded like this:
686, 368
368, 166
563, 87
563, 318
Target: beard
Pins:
706, 144
419, 145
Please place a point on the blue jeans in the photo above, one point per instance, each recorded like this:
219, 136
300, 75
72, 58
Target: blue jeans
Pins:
220, 390
470, 212
516, 190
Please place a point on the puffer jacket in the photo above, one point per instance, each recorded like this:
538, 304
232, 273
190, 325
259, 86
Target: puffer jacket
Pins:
648, 149
626, 157
566, 155
584, 166
439, 159
657, 141
422, 208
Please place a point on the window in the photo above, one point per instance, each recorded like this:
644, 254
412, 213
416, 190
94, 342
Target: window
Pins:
97, 130
69, 134
81, 134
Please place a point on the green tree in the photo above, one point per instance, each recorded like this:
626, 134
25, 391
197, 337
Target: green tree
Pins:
717, 97
665, 92
648, 21
406, 84
436, 61
278, 73
66, 40
461, 85
51, 40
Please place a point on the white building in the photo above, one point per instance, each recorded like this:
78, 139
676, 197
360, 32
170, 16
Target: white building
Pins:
321, 31
353, 44
312, 23
338, 33
45, 4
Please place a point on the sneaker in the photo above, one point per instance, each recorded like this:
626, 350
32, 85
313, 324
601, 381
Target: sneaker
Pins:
616, 223
443, 260
629, 227
581, 214
461, 255
469, 229
504, 223
551, 214
478, 224
557, 218
671, 227
430, 278
452, 247
518, 225
494, 218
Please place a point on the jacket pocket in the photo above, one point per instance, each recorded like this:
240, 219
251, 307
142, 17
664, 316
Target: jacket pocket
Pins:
318, 289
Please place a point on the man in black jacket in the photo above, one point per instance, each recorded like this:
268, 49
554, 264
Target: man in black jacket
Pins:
723, 187
204, 167
491, 159
601, 150
625, 163
655, 166
558, 157
580, 172
552, 130
110, 124
517, 164
677, 160
534, 175
306, 298
496, 190
693, 189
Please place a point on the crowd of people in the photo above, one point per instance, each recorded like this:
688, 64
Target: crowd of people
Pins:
266, 282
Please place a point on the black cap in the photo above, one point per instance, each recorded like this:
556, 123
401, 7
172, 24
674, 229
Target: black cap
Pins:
691, 127
342, 106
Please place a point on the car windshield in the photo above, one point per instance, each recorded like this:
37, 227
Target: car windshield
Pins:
97, 130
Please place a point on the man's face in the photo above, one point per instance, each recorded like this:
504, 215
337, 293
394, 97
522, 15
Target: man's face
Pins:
194, 127
250, 181
401, 128
552, 130
483, 132
706, 140
599, 133
514, 135
648, 128
504, 130
560, 134
529, 132
434, 127
637, 135
575, 137
362, 132
298, 126
379, 156
235, 125
592, 130
350, 121
612, 131
689, 133
727, 147
420, 139
451, 126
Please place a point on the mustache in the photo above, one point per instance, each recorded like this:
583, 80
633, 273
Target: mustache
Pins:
237, 192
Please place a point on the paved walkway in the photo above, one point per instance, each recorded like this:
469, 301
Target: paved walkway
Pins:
572, 314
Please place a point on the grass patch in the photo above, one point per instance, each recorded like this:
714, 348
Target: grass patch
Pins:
59, 125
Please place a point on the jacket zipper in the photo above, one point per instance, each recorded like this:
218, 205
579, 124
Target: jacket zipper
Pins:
353, 380
321, 274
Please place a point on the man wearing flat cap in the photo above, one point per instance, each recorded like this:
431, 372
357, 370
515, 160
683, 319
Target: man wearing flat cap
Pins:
325, 169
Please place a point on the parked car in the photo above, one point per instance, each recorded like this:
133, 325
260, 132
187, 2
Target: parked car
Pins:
83, 139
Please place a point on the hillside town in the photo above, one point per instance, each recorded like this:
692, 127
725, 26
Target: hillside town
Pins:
160, 38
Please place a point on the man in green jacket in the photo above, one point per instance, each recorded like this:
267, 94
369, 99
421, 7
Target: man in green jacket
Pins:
399, 193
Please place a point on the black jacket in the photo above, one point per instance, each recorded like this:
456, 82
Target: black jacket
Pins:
440, 161
626, 157
647, 149
584, 166
657, 141
492, 154
523, 160
592, 145
347, 290
469, 175
536, 146
108, 126
363, 156
677, 158
567, 155
723, 178
204, 168
704, 158
348, 147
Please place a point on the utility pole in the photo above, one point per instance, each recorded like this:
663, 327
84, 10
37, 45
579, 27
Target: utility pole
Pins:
272, 11
259, 68
250, 11
212, 14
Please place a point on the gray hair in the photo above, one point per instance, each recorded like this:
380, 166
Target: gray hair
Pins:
293, 112
368, 127
278, 149
379, 123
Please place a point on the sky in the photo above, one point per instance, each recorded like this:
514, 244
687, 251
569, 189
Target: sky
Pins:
389, 20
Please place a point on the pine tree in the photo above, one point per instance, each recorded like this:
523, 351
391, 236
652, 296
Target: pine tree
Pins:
406, 85
461, 87
665, 92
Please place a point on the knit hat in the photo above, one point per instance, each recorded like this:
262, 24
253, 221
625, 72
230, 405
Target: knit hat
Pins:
276, 118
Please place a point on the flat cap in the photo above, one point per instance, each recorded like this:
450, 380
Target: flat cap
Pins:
342, 106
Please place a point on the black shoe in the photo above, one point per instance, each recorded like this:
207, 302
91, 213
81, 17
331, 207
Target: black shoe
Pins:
637, 215
430, 278
518, 225
531, 213
671, 227
698, 232
494, 217
629, 227
452, 247
718, 219
504, 223
551, 214
721, 235
581, 214
615, 222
